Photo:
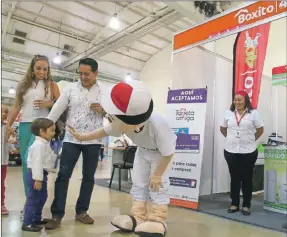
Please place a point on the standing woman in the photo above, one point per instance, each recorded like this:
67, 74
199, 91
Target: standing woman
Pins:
242, 126
35, 96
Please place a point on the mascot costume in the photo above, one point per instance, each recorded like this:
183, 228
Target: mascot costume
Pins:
128, 107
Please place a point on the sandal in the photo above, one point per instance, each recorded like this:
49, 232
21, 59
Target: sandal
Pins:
246, 212
232, 210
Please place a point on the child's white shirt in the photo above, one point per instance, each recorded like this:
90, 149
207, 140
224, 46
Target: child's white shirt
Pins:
40, 157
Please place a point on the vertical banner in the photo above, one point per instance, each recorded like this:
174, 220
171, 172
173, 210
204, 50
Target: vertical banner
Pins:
248, 60
275, 178
186, 112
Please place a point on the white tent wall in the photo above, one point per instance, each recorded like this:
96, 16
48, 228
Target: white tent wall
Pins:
279, 104
156, 74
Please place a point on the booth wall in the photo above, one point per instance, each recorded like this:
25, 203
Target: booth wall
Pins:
196, 68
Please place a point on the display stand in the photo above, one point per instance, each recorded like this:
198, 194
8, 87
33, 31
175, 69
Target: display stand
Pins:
275, 178
275, 162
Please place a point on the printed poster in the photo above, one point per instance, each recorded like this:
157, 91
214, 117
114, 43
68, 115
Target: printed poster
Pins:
186, 112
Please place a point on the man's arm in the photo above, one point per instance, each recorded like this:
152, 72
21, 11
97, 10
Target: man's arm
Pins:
59, 107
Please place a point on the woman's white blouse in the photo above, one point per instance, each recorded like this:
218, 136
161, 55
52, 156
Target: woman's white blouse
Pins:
35, 92
245, 141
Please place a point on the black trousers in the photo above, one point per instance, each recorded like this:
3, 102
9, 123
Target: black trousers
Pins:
69, 158
241, 171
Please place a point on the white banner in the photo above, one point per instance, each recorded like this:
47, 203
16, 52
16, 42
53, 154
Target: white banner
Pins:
186, 112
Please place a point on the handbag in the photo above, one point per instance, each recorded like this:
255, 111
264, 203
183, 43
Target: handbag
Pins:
60, 123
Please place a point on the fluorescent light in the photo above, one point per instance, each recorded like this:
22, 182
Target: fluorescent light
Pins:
57, 60
114, 22
128, 77
12, 91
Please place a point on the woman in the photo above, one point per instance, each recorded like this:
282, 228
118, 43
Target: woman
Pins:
242, 126
35, 96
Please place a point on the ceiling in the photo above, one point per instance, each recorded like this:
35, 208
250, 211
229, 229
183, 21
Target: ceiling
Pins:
80, 29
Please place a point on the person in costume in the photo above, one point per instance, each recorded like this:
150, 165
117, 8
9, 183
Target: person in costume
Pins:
129, 108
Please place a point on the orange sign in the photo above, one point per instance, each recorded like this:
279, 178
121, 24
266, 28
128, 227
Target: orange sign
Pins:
255, 12
184, 203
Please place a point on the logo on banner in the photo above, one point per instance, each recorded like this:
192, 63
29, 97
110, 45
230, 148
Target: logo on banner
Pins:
251, 50
249, 55
244, 15
184, 115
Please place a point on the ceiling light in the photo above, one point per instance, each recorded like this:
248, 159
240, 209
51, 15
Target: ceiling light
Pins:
114, 22
12, 91
57, 60
128, 77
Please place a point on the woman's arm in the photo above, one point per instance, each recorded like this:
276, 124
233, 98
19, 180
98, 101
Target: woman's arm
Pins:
56, 91
259, 132
223, 130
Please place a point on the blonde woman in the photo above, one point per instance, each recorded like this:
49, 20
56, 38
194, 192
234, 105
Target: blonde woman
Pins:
35, 96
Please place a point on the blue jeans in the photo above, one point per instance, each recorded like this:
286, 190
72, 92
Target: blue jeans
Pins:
69, 157
35, 199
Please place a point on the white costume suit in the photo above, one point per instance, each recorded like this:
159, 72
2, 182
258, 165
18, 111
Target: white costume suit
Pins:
154, 141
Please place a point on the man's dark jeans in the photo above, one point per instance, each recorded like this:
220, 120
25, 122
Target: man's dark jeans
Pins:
69, 158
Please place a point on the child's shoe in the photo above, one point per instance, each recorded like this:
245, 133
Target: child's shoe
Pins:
4, 211
31, 228
44, 221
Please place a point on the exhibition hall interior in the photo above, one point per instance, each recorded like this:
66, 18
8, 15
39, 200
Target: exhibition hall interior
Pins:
200, 61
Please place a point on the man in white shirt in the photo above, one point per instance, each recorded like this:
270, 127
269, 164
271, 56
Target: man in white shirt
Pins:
82, 99
129, 107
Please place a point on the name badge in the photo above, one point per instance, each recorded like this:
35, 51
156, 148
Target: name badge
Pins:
238, 134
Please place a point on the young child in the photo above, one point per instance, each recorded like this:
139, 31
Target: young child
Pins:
4, 157
40, 160
129, 107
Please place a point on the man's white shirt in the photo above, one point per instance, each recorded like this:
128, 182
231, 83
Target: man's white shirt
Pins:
80, 116
40, 157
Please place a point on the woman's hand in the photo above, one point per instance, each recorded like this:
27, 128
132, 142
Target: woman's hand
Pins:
77, 135
41, 104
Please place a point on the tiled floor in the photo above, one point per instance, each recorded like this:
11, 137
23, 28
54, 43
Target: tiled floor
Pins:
105, 204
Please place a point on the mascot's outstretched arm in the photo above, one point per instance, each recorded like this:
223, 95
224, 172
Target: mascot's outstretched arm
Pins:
97, 134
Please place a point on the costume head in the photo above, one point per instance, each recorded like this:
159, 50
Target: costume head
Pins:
128, 105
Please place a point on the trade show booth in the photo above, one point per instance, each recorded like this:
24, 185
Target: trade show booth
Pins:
242, 49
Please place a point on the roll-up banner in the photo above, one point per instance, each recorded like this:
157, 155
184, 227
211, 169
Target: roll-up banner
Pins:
186, 113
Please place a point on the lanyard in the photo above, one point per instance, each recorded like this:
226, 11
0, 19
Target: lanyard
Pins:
241, 117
